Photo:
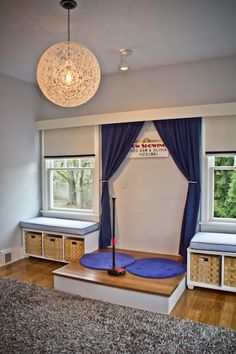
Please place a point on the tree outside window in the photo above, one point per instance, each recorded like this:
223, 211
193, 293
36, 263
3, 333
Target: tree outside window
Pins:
224, 187
71, 183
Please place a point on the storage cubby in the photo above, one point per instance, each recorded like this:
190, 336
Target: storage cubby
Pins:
211, 269
53, 247
33, 243
230, 271
58, 246
205, 268
73, 249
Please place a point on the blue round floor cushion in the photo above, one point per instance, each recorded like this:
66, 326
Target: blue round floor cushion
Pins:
156, 268
103, 260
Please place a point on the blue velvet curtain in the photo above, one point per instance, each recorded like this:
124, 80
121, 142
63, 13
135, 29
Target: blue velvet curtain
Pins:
117, 139
182, 138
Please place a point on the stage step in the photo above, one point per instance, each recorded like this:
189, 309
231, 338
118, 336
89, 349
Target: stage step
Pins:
157, 295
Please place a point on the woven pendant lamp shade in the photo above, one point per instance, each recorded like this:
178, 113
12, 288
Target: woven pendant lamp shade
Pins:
68, 74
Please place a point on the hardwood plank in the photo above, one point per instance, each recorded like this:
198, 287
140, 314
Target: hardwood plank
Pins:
129, 281
32, 270
140, 254
164, 287
213, 307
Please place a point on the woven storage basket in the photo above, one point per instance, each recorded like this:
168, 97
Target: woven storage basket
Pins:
33, 243
73, 249
53, 247
205, 268
230, 271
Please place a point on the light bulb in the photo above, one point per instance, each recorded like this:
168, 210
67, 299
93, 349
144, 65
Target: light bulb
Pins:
124, 68
69, 78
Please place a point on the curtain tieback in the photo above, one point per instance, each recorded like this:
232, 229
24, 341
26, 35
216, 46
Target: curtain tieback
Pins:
104, 180
192, 182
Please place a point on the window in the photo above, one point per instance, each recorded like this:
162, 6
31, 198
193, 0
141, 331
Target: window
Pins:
222, 188
70, 185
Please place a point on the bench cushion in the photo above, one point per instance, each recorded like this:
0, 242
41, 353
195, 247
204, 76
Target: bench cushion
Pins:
212, 241
74, 227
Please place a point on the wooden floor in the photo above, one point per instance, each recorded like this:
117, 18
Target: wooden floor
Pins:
32, 270
201, 305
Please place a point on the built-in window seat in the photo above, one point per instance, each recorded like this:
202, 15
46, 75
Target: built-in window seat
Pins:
212, 261
59, 239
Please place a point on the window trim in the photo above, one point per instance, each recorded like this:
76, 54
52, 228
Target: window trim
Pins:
211, 170
89, 215
208, 222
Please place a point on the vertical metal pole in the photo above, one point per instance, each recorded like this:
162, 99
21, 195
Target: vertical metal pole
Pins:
113, 233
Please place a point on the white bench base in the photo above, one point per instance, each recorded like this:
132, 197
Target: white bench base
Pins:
135, 299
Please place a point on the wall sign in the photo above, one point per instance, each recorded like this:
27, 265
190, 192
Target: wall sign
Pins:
148, 148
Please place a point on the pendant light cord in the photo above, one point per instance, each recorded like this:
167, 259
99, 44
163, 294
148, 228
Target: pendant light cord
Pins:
68, 25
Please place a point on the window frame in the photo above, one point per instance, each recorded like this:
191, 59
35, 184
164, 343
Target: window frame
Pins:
208, 221
76, 214
211, 169
50, 185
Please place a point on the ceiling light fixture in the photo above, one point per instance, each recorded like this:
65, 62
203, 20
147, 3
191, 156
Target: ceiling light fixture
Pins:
123, 59
68, 73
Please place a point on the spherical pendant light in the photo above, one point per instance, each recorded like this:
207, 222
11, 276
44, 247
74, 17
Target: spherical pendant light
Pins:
68, 73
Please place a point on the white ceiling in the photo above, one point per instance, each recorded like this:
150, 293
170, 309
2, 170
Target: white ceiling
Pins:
160, 32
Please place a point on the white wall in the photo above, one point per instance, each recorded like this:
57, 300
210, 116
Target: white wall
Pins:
203, 82
150, 207
19, 162
151, 194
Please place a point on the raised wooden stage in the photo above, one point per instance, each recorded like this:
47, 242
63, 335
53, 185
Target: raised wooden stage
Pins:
157, 295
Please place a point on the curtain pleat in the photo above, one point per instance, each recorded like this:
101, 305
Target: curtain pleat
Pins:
117, 140
182, 138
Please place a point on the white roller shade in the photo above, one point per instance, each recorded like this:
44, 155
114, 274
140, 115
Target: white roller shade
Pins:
77, 141
220, 134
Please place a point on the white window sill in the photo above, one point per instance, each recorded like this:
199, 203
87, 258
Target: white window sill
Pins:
214, 226
70, 215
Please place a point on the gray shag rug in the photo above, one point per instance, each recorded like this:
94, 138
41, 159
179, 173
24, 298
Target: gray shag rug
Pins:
36, 320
